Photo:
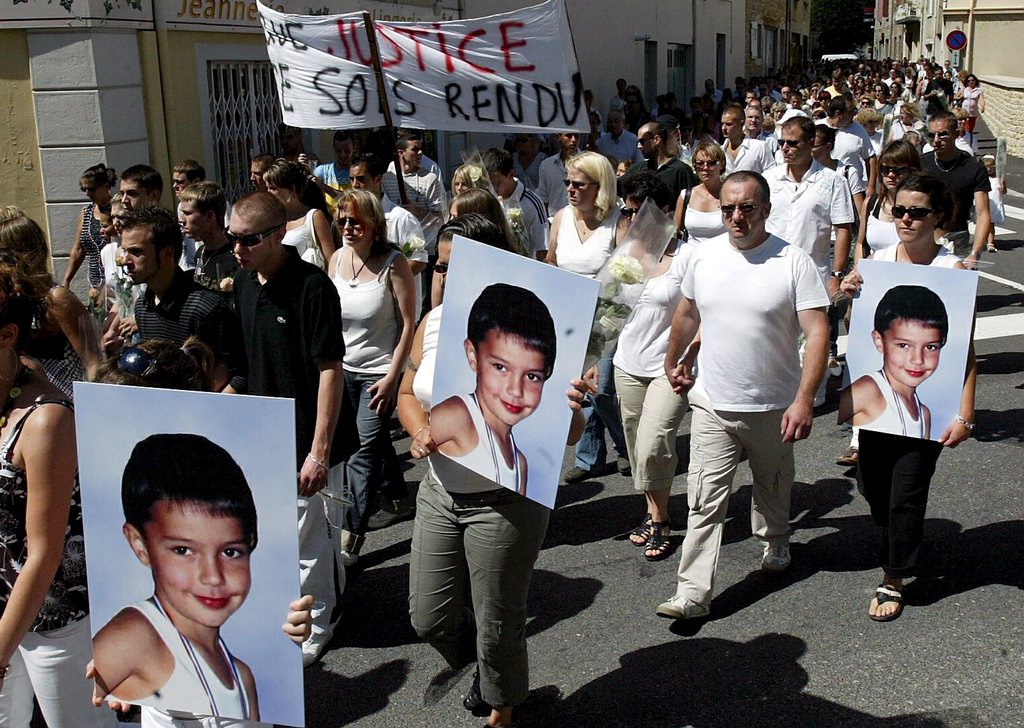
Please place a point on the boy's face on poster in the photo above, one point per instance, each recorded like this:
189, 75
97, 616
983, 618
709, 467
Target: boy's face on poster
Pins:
910, 351
509, 377
200, 563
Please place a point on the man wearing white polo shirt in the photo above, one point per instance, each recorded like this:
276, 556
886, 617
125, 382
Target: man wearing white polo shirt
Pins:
742, 152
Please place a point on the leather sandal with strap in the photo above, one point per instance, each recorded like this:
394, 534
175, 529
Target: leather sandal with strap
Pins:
643, 532
658, 545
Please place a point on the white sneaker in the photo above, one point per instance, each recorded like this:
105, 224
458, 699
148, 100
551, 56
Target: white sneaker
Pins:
835, 367
313, 649
776, 558
682, 608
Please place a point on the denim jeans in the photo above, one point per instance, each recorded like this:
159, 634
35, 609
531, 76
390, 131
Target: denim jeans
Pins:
375, 456
601, 411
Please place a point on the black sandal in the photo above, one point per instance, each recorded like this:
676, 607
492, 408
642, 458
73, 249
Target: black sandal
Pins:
658, 545
644, 531
885, 594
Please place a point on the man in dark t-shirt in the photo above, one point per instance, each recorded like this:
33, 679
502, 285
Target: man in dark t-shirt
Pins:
967, 180
291, 322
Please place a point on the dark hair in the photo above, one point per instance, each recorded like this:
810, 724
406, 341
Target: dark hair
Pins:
375, 166
342, 136
410, 135
743, 175
263, 161
947, 117
912, 303
100, 174
485, 203
900, 153
192, 170
22, 297
476, 227
207, 196
805, 125
162, 364
940, 199
145, 176
516, 312
643, 185
186, 470
837, 106
295, 177
163, 224
497, 160
826, 133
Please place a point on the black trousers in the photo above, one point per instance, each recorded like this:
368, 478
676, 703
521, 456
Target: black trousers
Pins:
893, 475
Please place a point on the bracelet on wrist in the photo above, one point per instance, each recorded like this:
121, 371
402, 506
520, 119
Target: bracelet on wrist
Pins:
317, 461
416, 434
965, 423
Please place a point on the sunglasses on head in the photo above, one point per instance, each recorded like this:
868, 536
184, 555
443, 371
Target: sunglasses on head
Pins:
575, 184
916, 213
252, 239
136, 362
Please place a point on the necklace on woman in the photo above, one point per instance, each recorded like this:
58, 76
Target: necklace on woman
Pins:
355, 273
20, 379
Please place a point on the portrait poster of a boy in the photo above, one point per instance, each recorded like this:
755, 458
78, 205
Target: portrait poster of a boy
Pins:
513, 335
191, 561
907, 352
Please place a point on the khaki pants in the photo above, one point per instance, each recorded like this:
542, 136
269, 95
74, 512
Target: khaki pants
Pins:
469, 573
717, 439
651, 413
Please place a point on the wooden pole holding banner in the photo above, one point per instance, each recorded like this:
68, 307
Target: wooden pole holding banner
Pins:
378, 73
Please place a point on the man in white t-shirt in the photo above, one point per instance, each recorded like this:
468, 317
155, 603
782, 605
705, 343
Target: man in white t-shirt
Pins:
742, 152
751, 394
525, 211
853, 144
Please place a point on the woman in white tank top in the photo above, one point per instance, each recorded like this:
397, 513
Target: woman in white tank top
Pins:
308, 227
377, 292
699, 210
894, 472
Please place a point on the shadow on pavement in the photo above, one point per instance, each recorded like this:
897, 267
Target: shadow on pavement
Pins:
704, 683
990, 302
1006, 362
335, 700
554, 598
997, 426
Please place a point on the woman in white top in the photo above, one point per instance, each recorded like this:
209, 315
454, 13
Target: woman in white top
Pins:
309, 225
974, 104
699, 210
650, 410
378, 310
909, 119
894, 472
474, 543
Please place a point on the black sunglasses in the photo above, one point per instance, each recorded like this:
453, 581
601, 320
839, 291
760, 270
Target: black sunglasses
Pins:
898, 171
252, 239
353, 221
628, 212
136, 362
575, 184
916, 213
792, 143
441, 268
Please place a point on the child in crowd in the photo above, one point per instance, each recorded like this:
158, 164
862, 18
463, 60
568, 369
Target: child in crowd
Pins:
190, 518
997, 210
510, 345
911, 326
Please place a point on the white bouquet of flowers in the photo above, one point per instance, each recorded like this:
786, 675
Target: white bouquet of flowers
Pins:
413, 245
624, 276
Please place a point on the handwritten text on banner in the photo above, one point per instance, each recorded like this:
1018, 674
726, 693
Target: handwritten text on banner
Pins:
515, 71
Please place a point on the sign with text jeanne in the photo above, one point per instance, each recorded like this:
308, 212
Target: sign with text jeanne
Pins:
515, 71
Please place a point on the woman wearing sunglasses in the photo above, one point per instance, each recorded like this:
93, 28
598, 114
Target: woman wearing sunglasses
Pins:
96, 183
699, 210
44, 626
378, 309
895, 472
583, 237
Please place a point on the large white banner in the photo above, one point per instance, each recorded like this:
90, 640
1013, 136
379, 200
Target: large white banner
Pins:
515, 71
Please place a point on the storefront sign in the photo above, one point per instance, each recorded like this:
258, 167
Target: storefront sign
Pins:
243, 15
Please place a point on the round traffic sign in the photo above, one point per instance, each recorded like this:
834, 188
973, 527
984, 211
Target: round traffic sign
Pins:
956, 40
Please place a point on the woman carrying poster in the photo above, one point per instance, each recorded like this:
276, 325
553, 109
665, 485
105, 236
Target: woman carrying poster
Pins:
894, 471
468, 524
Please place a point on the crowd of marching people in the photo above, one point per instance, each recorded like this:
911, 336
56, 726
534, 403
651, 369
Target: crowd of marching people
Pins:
325, 284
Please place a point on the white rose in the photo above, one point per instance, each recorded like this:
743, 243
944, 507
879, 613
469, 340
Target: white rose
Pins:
626, 269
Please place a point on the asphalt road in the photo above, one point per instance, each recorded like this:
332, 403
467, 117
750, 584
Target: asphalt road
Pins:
795, 649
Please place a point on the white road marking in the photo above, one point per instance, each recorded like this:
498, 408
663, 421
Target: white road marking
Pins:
1004, 281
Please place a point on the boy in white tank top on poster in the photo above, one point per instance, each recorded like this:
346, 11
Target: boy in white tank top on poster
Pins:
910, 329
189, 517
510, 346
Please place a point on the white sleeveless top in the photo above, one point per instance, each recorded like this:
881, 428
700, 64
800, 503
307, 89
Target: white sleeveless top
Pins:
703, 226
943, 258
299, 237
486, 458
369, 321
454, 477
585, 258
193, 686
880, 234
895, 419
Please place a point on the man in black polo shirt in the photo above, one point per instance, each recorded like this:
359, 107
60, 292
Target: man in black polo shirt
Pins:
659, 143
291, 321
173, 306
967, 179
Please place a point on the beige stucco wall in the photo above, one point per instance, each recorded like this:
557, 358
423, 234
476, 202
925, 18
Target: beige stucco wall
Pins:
20, 180
1004, 98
